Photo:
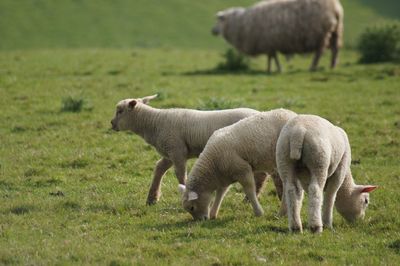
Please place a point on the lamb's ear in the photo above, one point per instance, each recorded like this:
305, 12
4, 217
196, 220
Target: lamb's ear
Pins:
132, 104
367, 189
147, 99
192, 195
220, 15
182, 188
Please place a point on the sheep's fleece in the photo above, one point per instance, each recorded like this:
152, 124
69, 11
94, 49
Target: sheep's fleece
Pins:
286, 26
314, 155
234, 154
177, 134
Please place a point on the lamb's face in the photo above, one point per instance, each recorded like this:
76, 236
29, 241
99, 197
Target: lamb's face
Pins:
196, 204
355, 209
123, 109
222, 18
126, 110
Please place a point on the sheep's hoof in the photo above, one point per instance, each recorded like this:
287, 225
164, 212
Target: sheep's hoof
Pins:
259, 213
151, 201
316, 229
296, 229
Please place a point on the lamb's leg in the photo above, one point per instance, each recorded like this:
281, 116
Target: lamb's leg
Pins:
217, 202
155, 192
317, 56
315, 195
260, 178
180, 170
278, 184
249, 186
294, 197
331, 188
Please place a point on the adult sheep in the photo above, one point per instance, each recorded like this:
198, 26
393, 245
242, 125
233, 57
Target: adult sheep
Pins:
314, 155
234, 154
286, 26
177, 134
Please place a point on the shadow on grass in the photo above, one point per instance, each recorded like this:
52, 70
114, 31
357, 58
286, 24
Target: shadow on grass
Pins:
218, 72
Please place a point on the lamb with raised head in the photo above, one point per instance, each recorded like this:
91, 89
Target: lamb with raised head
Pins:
286, 26
234, 154
177, 134
314, 155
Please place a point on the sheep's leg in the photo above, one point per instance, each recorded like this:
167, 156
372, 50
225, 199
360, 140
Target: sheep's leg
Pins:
180, 170
317, 56
155, 192
294, 197
331, 188
278, 65
269, 59
260, 178
278, 184
334, 45
315, 193
217, 202
249, 186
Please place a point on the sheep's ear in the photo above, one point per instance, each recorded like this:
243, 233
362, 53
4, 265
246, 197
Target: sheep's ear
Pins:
192, 195
147, 99
220, 15
181, 188
132, 104
367, 189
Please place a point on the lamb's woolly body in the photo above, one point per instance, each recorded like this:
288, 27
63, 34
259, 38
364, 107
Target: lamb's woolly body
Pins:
286, 26
233, 153
171, 129
315, 155
177, 134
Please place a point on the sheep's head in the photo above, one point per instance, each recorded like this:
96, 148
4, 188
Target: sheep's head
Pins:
357, 204
196, 204
124, 111
222, 18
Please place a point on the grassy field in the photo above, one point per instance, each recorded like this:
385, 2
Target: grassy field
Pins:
72, 191
27, 24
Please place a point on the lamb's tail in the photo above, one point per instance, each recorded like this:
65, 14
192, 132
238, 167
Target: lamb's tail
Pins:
296, 143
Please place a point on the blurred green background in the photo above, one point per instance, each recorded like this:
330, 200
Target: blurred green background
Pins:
32, 24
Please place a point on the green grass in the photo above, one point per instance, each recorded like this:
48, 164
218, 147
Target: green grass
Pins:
73, 192
28, 24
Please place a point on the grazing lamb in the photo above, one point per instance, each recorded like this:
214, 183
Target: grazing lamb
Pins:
234, 154
314, 155
286, 26
177, 134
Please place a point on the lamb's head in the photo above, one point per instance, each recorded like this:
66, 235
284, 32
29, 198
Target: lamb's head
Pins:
223, 17
125, 111
197, 204
354, 207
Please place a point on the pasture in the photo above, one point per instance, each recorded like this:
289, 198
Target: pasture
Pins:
73, 191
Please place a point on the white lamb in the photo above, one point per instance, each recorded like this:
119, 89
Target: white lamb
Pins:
234, 154
314, 155
177, 134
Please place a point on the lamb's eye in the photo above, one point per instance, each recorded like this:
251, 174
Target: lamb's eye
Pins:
119, 111
192, 208
366, 201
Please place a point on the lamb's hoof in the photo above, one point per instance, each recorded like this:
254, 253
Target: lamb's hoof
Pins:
259, 213
151, 201
296, 230
316, 229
